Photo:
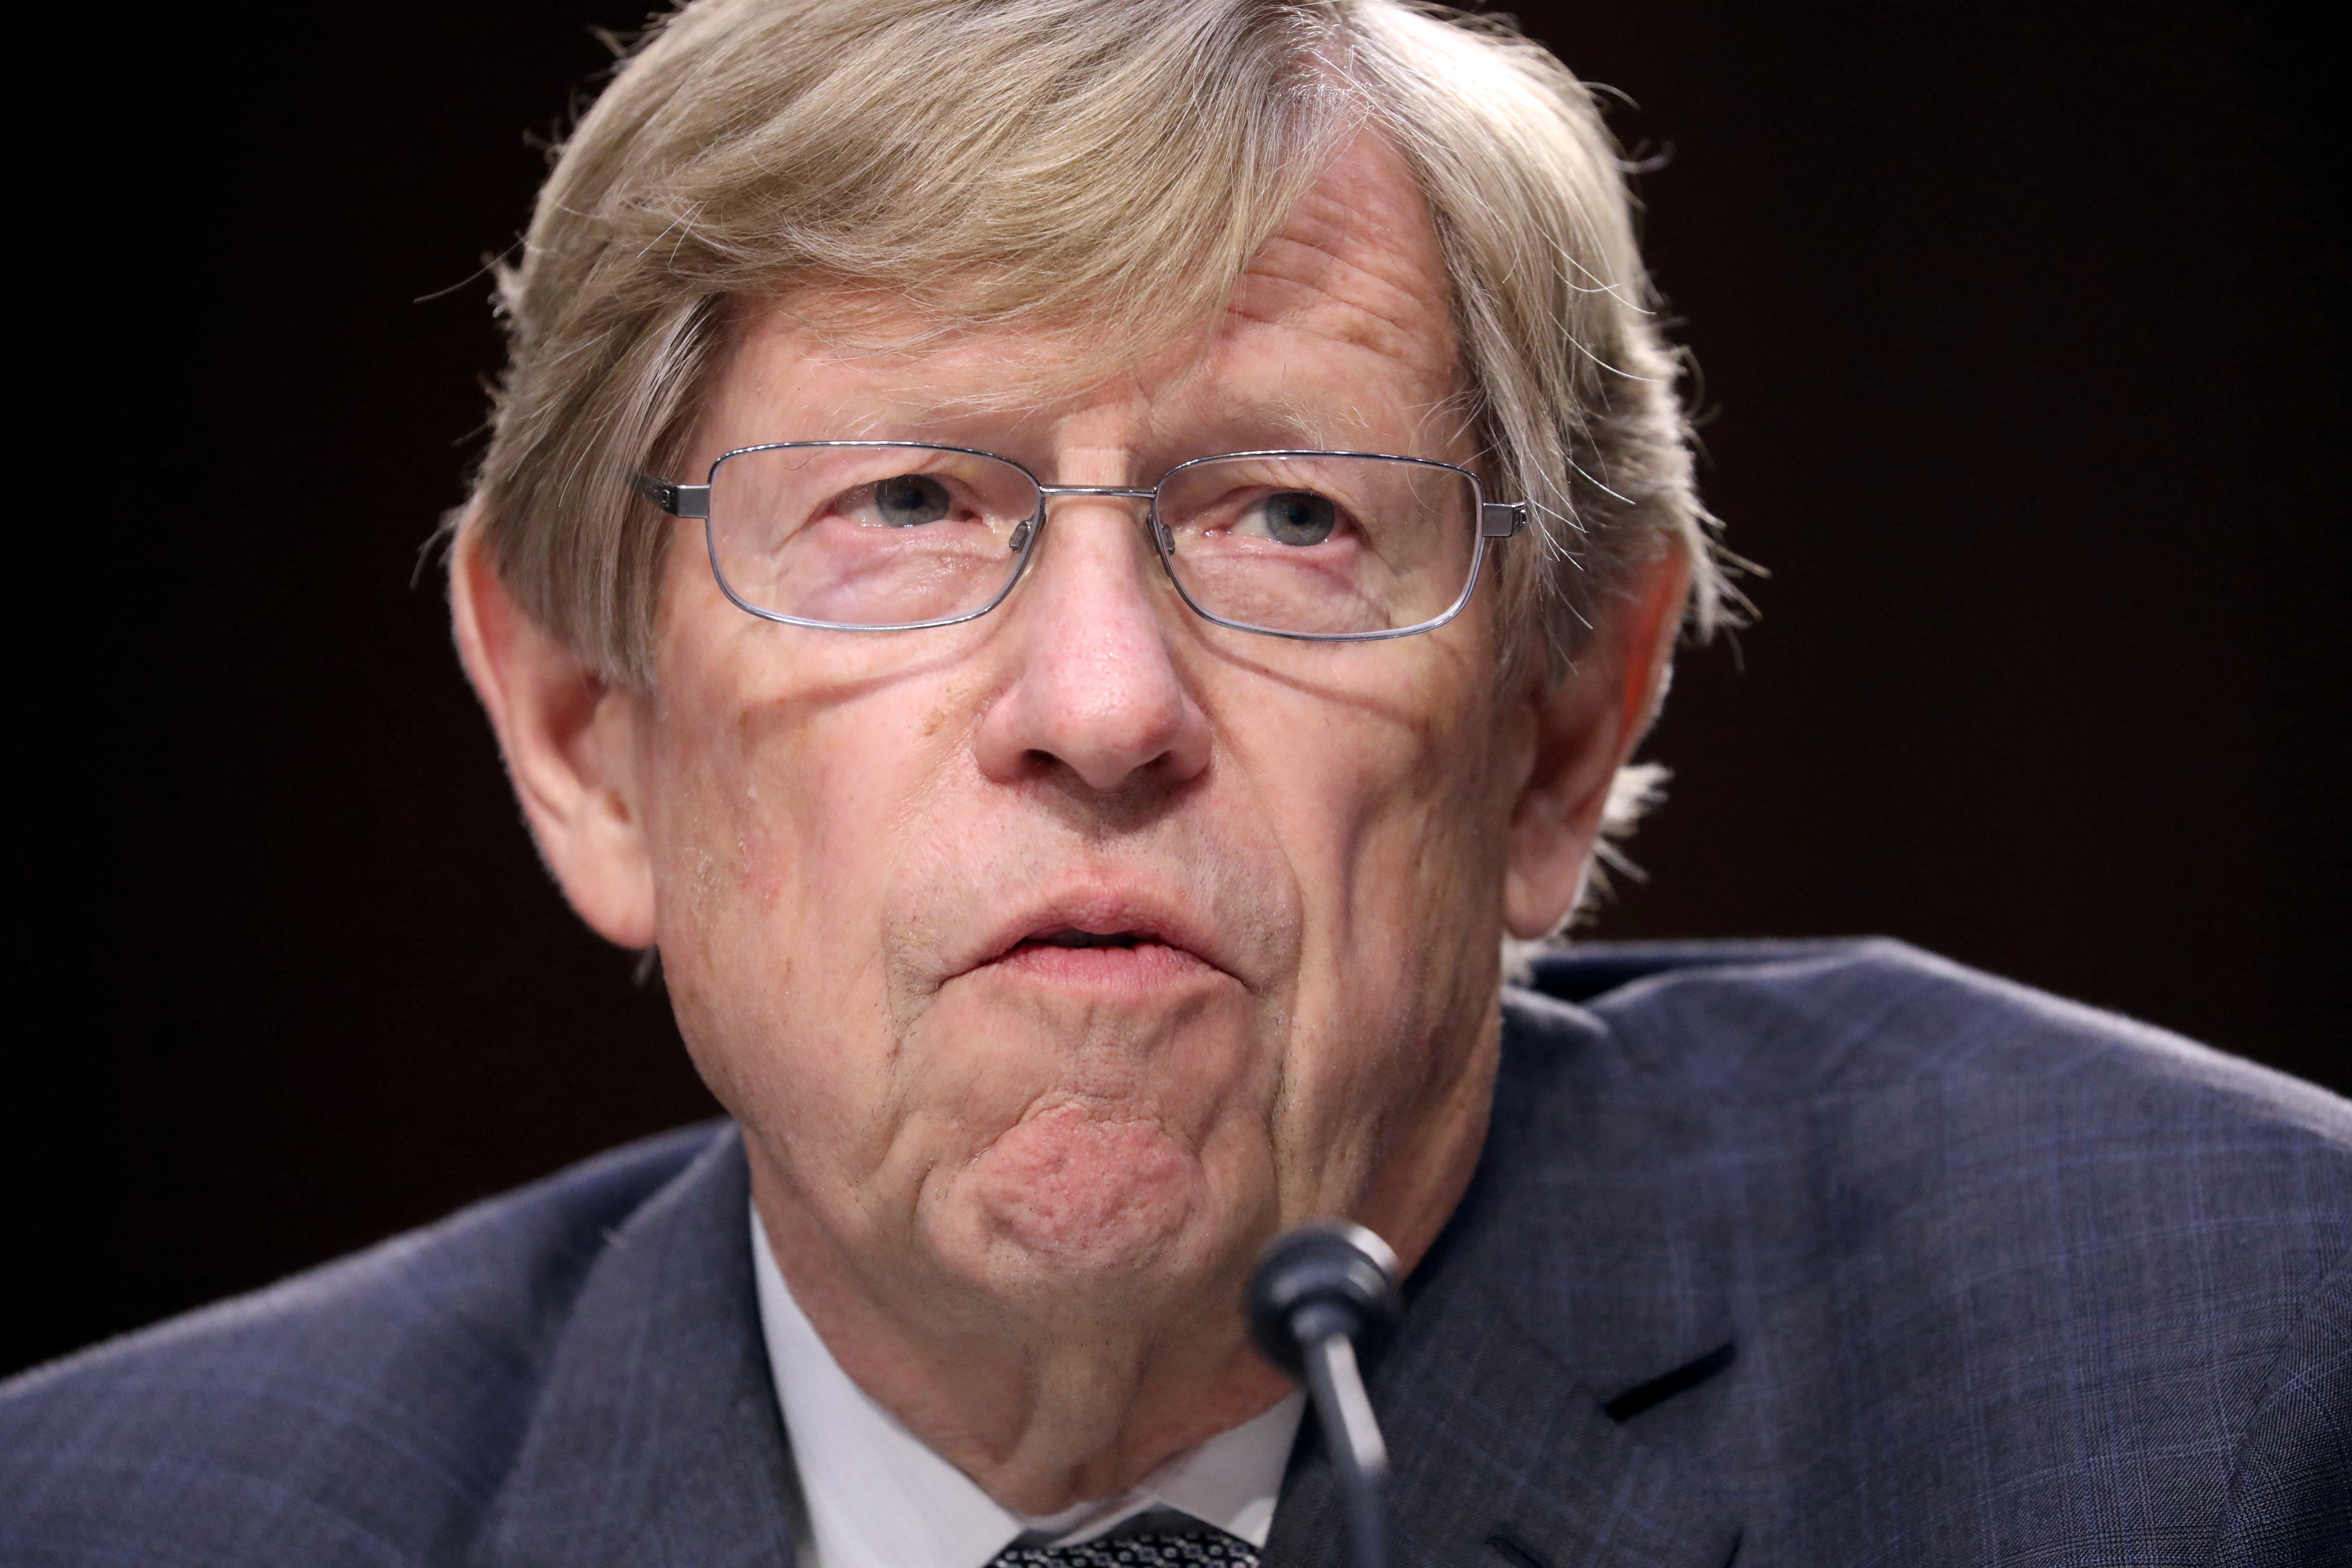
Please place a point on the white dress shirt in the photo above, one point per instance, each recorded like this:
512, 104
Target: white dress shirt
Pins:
878, 1498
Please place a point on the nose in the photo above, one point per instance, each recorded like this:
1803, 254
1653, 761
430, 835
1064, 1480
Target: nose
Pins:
1094, 686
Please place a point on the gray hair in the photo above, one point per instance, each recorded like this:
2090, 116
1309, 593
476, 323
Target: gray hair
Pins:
1078, 167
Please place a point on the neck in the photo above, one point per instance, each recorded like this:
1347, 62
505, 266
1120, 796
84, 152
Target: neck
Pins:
1042, 1409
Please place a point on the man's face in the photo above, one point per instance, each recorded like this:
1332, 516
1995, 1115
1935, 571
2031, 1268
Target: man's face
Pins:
868, 850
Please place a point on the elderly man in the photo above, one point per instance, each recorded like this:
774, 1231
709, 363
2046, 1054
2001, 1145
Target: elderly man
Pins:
1075, 571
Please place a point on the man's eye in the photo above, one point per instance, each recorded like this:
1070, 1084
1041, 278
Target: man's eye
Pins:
910, 498
1298, 517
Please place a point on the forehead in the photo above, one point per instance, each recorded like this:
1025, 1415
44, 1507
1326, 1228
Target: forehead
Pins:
1337, 333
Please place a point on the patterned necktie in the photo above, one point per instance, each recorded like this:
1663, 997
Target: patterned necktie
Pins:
1199, 1547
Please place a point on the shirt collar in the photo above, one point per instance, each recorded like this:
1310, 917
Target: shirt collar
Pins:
878, 1497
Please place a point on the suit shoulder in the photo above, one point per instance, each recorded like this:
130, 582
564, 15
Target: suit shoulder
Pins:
1853, 1017
1870, 1107
362, 1411
2000, 1233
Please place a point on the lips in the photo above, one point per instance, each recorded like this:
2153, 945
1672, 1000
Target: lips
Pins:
1089, 939
1101, 933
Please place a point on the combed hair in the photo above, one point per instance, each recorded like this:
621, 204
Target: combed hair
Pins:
1101, 171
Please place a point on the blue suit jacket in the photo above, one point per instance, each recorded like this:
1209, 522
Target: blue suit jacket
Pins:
1809, 1255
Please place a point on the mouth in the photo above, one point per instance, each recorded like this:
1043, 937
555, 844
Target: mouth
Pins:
1117, 942
1076, 938
1126, 962
1097, 946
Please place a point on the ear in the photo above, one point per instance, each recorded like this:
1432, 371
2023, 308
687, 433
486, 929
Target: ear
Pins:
570, 740
1586, 727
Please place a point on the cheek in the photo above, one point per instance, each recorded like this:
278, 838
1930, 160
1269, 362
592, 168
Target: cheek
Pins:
771, 829
1391, 809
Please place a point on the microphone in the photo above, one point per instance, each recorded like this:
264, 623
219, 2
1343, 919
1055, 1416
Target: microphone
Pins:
1324, 1295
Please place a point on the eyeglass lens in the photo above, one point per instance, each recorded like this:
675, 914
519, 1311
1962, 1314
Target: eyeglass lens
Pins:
1313, 544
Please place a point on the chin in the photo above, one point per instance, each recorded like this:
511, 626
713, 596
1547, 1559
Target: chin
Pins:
1078, 1195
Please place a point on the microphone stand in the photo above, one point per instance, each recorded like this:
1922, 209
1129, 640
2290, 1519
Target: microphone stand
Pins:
1321, 1289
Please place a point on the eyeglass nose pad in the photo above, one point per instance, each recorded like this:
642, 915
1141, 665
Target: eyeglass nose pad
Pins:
1161, 534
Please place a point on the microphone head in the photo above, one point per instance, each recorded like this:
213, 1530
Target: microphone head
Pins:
1330, 1265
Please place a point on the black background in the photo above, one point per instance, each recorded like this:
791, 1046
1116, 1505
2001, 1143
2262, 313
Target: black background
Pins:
2022, 333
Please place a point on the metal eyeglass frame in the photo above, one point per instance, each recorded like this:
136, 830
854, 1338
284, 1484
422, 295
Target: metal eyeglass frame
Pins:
1497, 520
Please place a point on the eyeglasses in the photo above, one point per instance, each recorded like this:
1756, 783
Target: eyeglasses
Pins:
888, 536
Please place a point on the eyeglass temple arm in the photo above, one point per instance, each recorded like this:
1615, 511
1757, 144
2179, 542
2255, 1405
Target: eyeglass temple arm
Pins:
1500, 519
682, 500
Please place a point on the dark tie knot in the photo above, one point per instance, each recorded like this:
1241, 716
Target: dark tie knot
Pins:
1155, 1549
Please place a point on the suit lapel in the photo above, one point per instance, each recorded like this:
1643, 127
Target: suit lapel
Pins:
657, 1440
1578, 1269
1502, 1457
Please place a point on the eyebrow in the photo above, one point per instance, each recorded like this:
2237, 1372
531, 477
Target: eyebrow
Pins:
1243, 423
1278, 421
1336, 422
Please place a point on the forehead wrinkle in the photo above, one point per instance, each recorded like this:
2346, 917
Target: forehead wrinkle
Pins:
1282, 411
1357, 262
1252, 418
1305, 286
906, 366
1201, 409
1328, 278
1173, 427
1206, 397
